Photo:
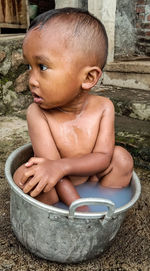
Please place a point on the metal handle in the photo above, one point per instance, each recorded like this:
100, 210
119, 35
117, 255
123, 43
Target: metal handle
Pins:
92, 201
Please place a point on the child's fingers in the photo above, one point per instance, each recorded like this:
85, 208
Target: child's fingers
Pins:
33, 161
28, 173
48, 187
39, 188
31, 184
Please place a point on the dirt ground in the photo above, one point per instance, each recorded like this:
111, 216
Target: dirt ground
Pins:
129, 251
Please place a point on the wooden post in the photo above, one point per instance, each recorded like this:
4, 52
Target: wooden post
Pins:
16, 11
22, 9
8, 12
1, 13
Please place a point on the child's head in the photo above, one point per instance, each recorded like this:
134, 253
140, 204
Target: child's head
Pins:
81, 30
66, 50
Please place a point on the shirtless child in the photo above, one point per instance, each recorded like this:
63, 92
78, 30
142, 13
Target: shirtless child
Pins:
71, 130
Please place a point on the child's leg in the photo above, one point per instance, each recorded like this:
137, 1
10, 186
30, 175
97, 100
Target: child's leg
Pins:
119, 172
66, 191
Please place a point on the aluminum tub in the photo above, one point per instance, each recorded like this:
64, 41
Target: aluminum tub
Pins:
59, 235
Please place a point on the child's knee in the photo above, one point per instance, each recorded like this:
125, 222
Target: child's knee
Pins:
123, 159
49, 198
17, 176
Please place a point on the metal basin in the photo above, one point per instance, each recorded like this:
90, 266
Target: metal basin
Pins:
60, 235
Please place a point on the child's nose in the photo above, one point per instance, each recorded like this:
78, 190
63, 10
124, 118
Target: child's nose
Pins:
33, 80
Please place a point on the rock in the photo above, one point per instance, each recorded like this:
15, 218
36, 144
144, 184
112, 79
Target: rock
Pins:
140, 111
5, 67
21, 82
2, 108
9, 97
2, 55
12, 101
17, 58
7, 86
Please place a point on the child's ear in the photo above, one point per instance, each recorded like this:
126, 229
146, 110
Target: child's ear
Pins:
91, 77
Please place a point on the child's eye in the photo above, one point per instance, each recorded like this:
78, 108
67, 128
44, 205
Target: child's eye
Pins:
42, 67
29, 67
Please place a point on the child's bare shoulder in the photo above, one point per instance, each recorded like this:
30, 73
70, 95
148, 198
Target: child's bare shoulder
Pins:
102, 102
34, 110
33, 107
34, 113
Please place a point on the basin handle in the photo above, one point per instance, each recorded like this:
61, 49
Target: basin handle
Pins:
92, 201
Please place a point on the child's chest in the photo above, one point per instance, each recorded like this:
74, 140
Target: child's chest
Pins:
75, 137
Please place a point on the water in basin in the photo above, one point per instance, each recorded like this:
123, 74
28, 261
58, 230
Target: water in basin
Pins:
120, 196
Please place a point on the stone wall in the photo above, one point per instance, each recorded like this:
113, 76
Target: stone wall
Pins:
143, 26
14, 94
132, 28
125, 30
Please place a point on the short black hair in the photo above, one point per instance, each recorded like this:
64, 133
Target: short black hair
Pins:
84, 24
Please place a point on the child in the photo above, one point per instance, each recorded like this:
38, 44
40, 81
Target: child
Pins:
72, 131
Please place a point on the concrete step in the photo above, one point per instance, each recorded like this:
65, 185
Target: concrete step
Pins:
129, 74
134, 103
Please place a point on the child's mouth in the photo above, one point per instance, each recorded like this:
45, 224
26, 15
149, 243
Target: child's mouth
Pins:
37, 99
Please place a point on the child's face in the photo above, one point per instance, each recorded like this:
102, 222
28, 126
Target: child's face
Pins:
55, 71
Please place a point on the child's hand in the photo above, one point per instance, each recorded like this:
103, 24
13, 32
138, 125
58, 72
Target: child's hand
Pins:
45, 174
